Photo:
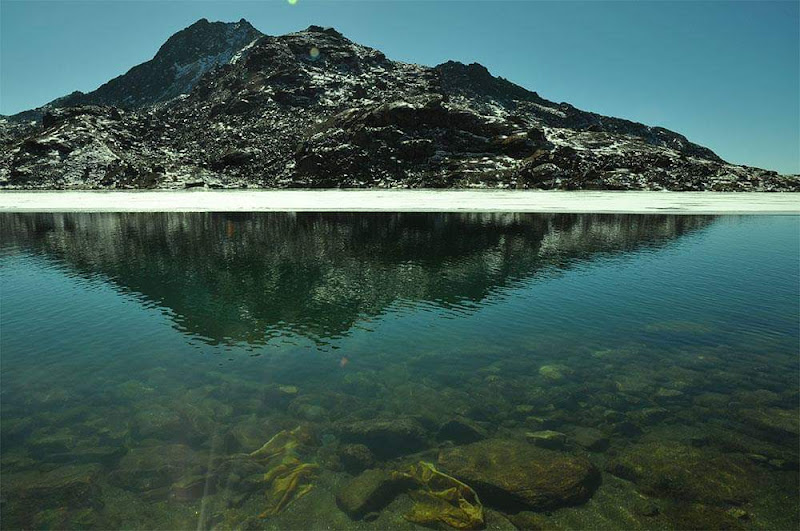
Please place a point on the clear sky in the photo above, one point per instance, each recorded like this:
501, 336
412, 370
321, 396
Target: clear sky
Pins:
726, 74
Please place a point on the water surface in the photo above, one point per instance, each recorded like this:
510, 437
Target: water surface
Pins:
142, 354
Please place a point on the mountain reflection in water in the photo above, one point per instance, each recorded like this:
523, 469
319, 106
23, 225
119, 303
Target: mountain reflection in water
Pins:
229, 278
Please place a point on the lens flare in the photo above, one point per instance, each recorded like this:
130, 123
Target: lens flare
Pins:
292, 2
314, 53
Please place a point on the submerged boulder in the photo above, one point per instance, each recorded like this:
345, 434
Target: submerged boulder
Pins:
461, 430
369, 492
592, 439
687, 473
513, 476
555, 440
386, 438
356, 457
777, 424
150, 467
66, 486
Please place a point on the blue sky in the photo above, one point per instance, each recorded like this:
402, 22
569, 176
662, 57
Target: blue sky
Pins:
725, 74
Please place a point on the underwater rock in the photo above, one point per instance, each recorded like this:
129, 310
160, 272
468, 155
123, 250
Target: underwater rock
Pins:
758, 398
530, 521
686, 473
100, 454
43, 442
279, 396
66, 486
14, 462
513, 476
193, 487
160, 423
524, 410
310, 412
554, 440
59, 518
150, 467
590, 438
738, 513
497, 521
61, 498
386, 438
356, 457
440, 500
645, 507
626, 428
701, 516
249, 434
635, 384
712, 400
539, 423
461, 430
555, 372
780, 424
668, 396
15, 430
202, 418
369, 492
648, 416
363, 384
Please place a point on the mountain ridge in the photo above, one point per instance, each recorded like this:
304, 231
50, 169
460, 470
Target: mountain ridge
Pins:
223, 105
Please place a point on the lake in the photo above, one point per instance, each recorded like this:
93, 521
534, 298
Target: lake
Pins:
399, 371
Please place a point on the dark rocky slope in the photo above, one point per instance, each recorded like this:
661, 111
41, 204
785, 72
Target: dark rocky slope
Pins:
220, 106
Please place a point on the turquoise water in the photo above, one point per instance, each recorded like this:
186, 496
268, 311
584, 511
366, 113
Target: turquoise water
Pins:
144, 357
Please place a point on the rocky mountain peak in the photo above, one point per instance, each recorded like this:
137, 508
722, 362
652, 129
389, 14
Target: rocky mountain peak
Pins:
174, 70
326, 30
314, 109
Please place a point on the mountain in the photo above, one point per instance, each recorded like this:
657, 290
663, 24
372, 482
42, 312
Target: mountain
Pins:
221, 105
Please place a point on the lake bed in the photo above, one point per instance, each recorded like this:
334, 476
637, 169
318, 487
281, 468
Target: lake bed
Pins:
273, 370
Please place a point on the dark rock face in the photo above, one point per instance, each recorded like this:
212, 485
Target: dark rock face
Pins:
514, 476
220, 105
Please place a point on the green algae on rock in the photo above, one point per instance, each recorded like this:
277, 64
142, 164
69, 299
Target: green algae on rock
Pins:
287, 476
440, 499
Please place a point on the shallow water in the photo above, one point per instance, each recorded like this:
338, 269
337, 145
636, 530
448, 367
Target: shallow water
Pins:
145, 355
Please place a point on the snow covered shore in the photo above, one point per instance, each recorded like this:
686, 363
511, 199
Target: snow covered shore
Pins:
401, 201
